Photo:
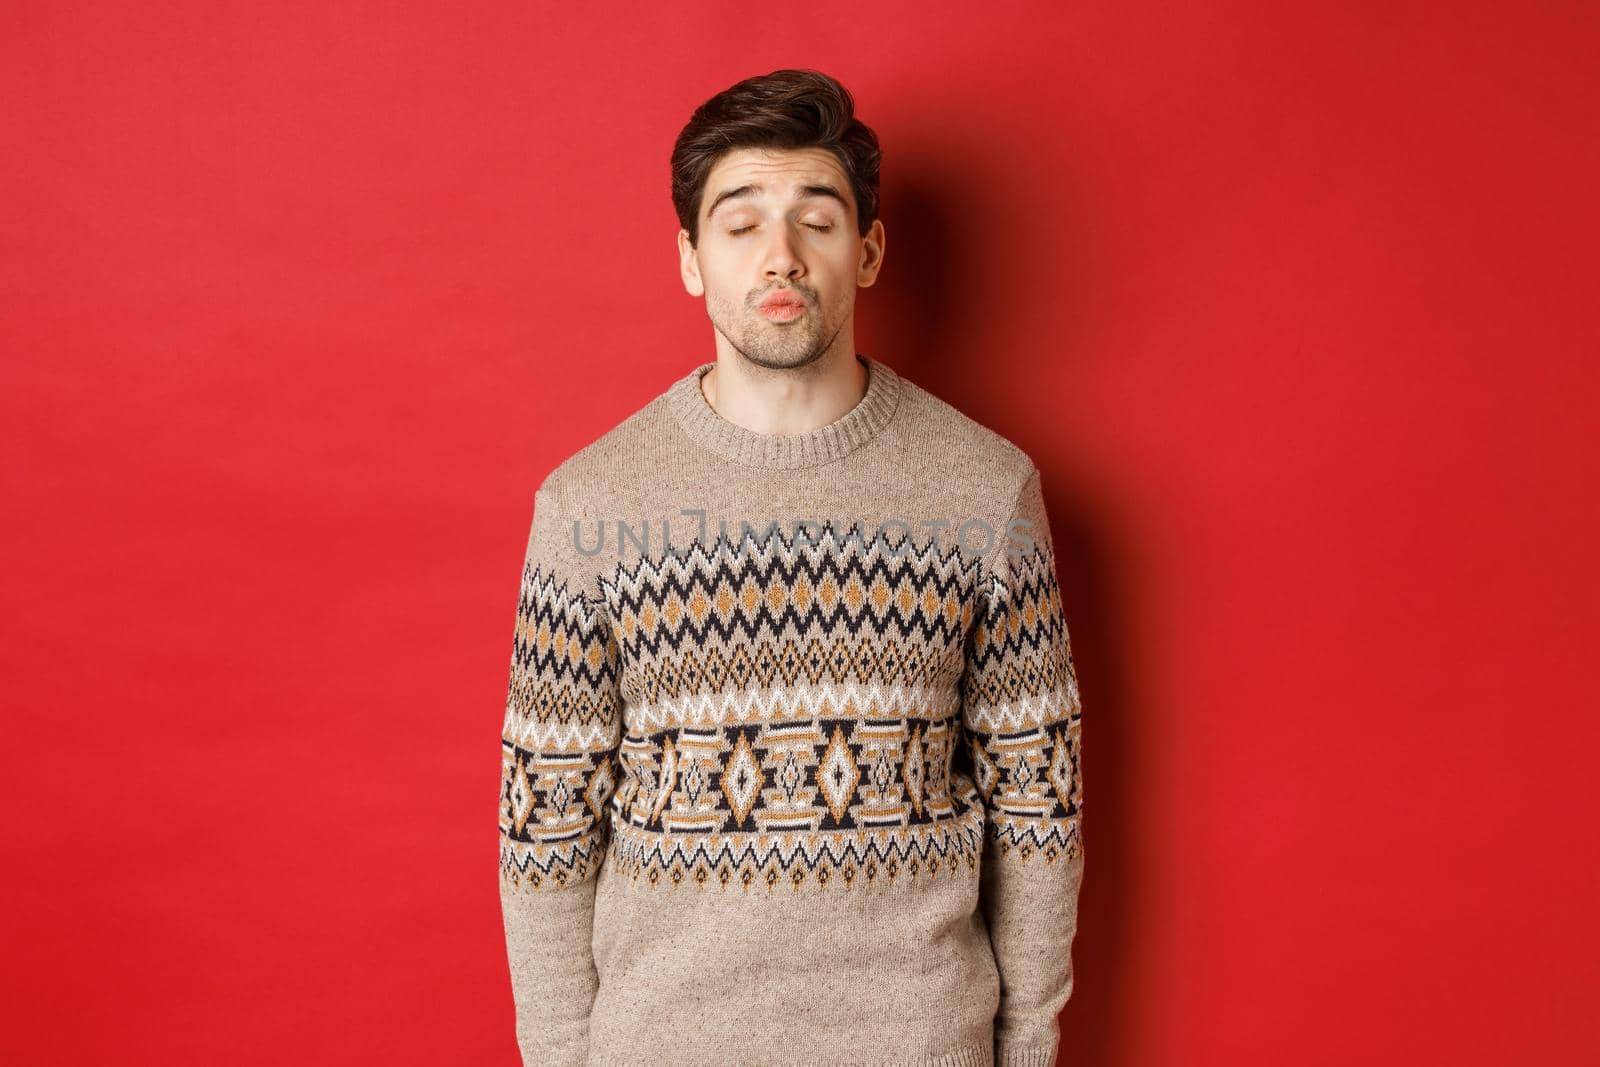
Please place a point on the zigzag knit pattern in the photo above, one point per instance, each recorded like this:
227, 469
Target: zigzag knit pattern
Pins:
786, 717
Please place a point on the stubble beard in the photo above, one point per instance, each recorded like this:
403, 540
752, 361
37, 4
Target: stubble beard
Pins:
774, 345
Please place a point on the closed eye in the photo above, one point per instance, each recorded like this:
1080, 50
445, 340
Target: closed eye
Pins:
807, 225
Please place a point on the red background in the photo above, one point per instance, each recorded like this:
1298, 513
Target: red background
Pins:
1294, 305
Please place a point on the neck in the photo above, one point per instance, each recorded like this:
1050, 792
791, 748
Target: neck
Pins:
769, 400
820, 444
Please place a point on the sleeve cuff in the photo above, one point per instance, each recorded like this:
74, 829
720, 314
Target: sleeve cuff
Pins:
1025, 1055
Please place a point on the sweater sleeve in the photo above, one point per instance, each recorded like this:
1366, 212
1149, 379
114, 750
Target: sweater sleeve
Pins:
1021, 721
558, 752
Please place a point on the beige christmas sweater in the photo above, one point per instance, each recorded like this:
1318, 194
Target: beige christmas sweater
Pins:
790, 763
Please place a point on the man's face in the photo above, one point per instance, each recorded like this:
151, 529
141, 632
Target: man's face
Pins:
776, 222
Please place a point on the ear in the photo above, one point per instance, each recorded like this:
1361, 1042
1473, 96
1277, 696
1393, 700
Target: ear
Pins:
871, 255
689, 266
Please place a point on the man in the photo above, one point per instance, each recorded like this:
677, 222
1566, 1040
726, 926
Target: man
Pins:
791, 750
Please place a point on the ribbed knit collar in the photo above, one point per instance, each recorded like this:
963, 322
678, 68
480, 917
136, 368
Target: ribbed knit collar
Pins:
787, 451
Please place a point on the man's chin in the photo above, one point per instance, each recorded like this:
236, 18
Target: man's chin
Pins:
784, 357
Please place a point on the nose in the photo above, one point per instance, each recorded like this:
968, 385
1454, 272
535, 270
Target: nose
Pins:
780, 260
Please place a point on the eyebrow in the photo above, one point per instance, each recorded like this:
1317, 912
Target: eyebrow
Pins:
805, 191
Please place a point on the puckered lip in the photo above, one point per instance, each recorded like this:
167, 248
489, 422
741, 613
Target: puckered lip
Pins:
782, 298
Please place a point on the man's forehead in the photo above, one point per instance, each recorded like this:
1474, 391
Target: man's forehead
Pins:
773, 175
775, 164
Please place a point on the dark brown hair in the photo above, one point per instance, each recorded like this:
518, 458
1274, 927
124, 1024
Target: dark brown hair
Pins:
784, 109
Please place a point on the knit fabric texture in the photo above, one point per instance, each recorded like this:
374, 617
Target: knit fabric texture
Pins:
790, 764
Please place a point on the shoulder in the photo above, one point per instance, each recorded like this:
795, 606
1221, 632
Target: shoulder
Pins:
592, 473
962, 446
583, 488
